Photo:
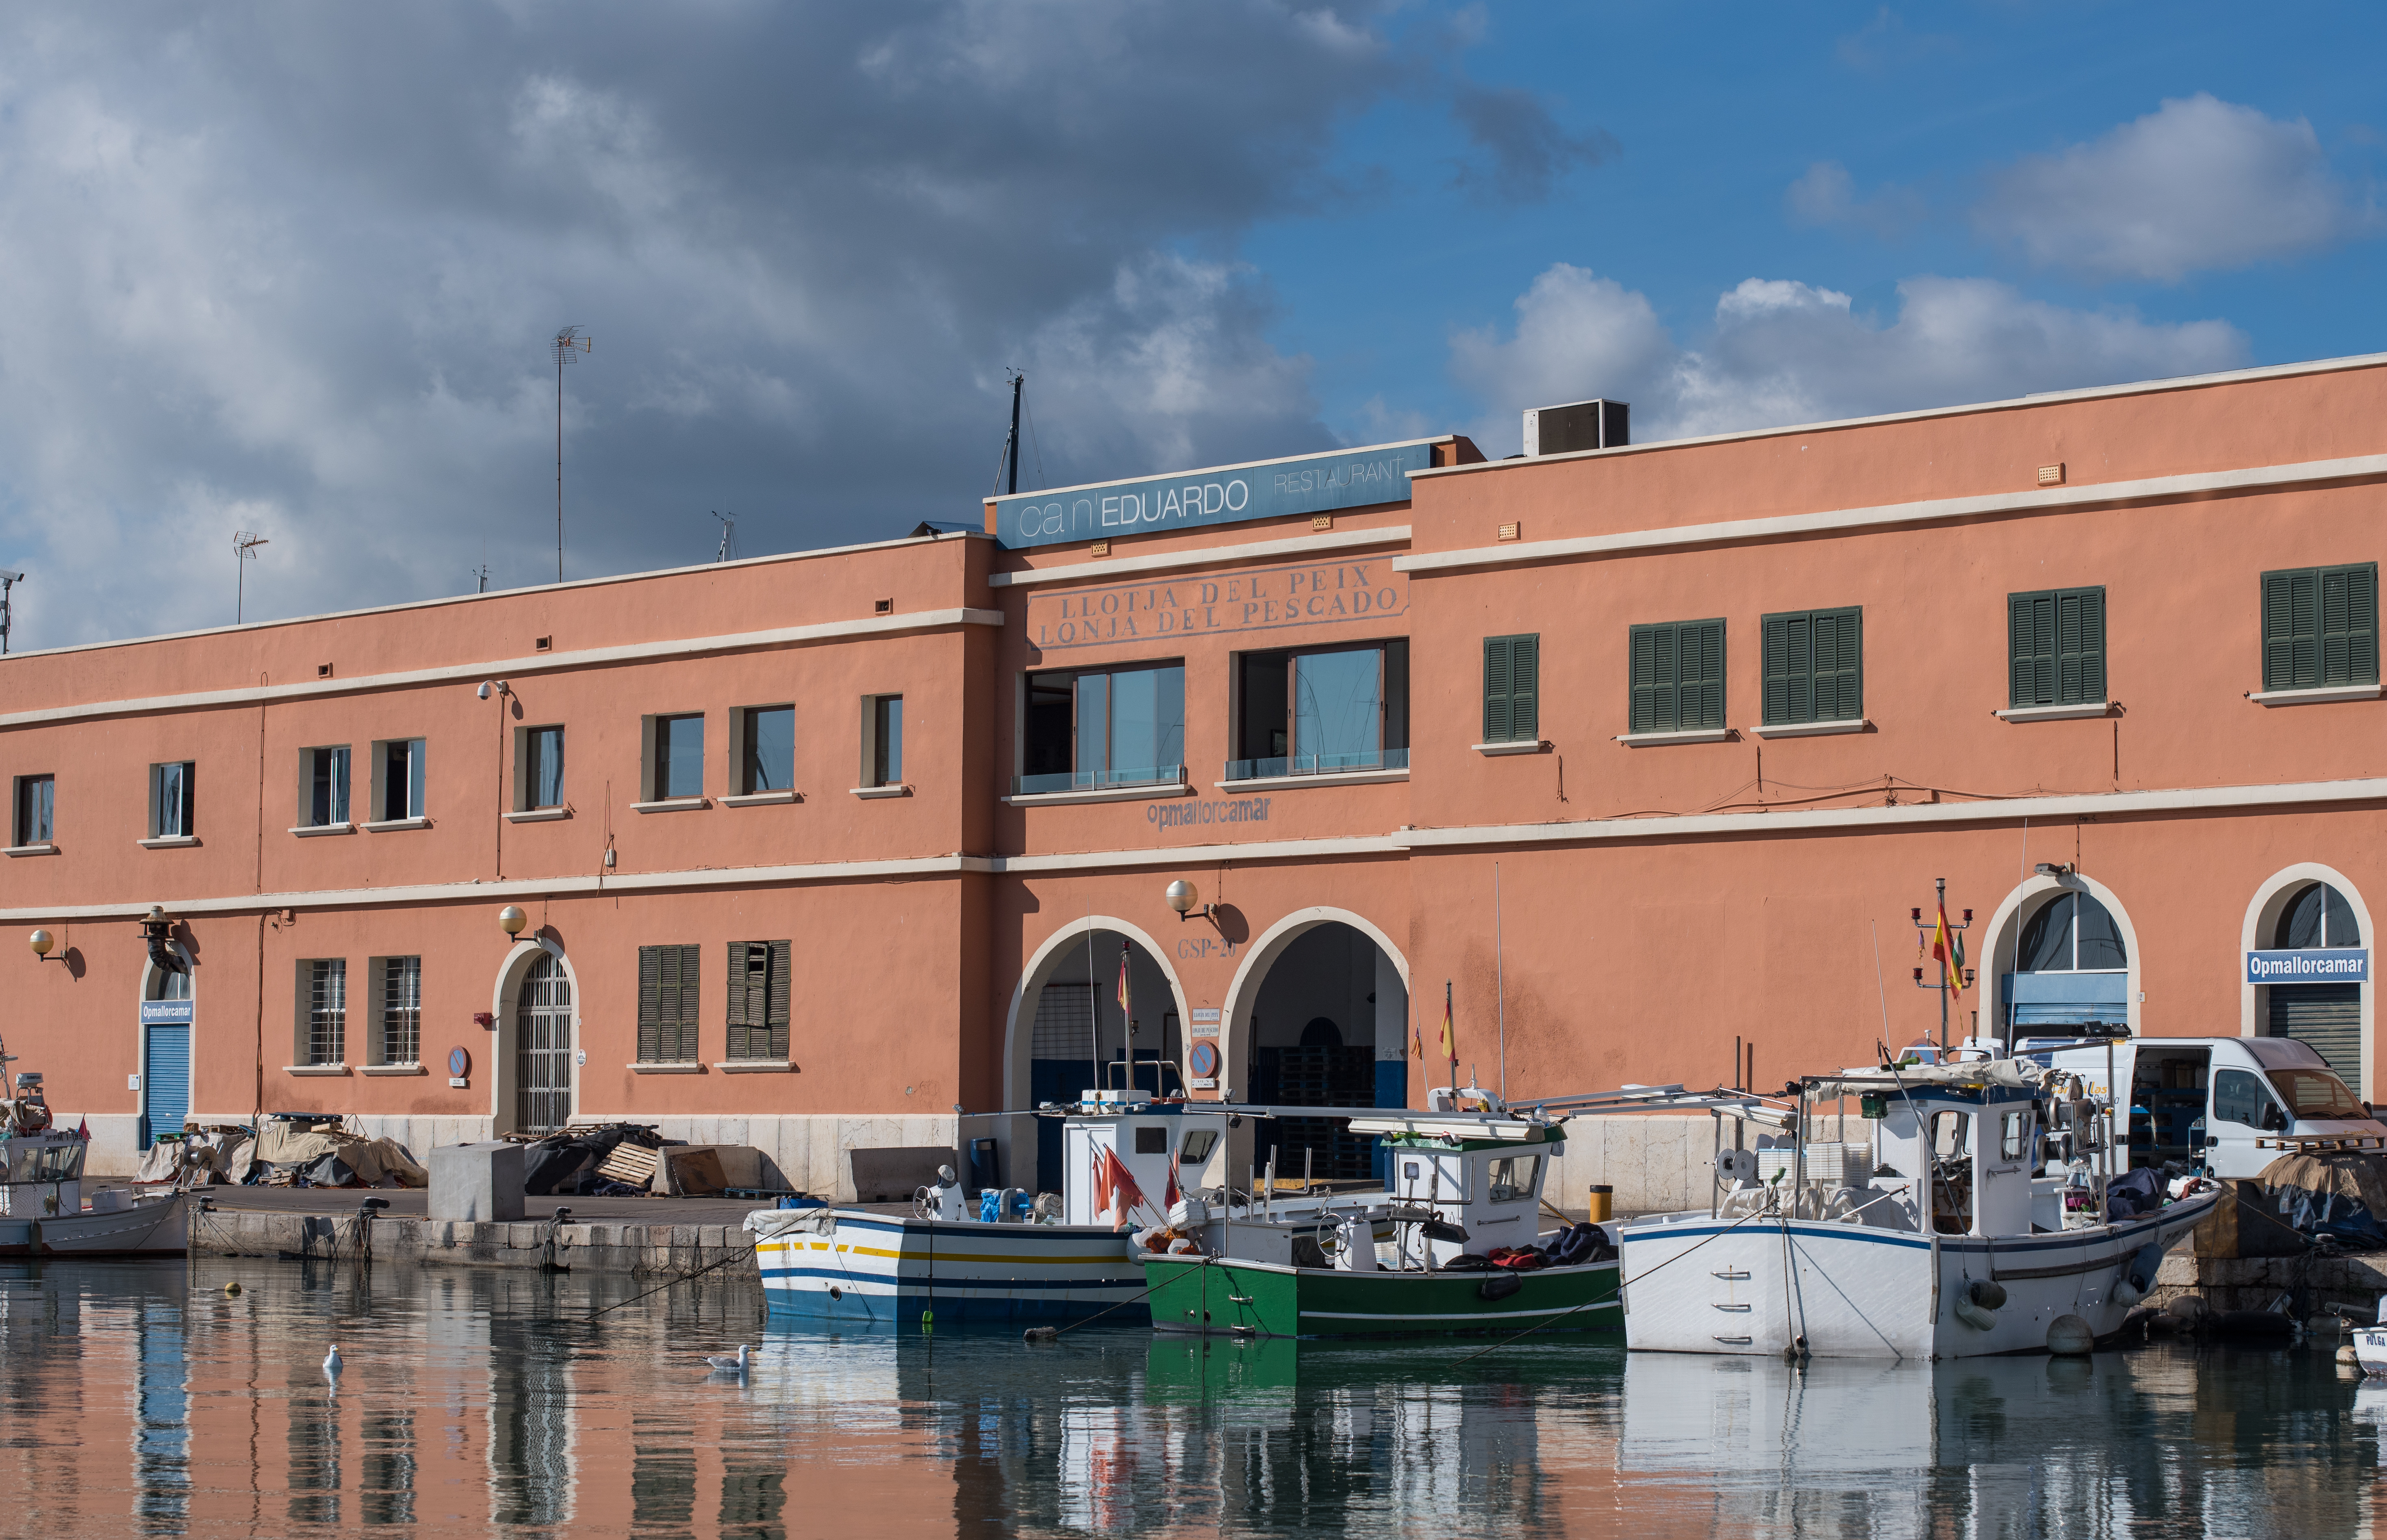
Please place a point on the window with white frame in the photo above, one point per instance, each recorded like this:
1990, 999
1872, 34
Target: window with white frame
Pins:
323, 1005
172, 800
401, 1010
323, 786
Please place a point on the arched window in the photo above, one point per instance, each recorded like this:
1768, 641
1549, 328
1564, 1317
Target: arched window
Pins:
2073, 933
2319, 916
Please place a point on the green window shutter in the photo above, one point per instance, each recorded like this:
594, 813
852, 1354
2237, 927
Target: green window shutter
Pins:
740, 1016
1677, 676
687, 1001
2349, 626
1700, 692
650, 1002
1498, 672
2320, 627
1786, 646
777, 1006
2030, 648
1839, 664
1652, 682
1813, 663
2055, 644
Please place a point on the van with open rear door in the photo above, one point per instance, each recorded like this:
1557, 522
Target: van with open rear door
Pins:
2238, 1103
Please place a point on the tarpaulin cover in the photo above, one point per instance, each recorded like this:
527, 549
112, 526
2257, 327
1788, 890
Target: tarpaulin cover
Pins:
2339, 1195
2015, 1074
198, 1158
564, 1162
332, 1156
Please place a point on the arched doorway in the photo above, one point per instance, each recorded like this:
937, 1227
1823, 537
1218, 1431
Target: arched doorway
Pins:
167, 1020
1069, 1031
2063, 948
1318, 1015
532, 1063
2325, 1016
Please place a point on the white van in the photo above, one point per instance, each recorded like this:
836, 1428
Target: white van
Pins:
2228, 1099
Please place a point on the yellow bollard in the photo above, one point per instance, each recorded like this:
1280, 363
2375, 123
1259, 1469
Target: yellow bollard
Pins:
1603, 1202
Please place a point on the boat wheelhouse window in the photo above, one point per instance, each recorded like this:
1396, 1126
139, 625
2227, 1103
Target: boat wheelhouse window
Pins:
1952, 1135
1196, 1148
2239, 1097
2013, 1135
1513, 1178
2316, 1093
2073, 933
2319, 917
1151, 1138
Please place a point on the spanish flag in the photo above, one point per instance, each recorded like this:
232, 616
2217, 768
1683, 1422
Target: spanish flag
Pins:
1449, 1033
1948, 946
1122, 983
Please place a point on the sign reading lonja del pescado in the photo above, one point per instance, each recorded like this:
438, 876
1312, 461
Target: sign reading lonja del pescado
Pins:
1230, 494
2336, 965
1257, 598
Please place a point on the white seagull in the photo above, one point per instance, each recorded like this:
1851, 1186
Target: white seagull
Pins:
332, 1363
725, 1363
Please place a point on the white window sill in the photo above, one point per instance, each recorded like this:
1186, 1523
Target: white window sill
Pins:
314, 1069
1093, 794
689, 1068
757, 1066
900, 789
1811, 729
2057, 713
1515, 746
392, 1070
384, 825
671, 805
1331, 777
169, 842
760, 799
2313, 696
1695, 735
33, 849
309, 831
537, 814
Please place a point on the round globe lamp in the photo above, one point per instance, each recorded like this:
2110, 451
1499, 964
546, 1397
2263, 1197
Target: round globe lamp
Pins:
510, 919
42, 943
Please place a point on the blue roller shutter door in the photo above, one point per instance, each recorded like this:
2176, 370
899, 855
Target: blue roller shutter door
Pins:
165, 1078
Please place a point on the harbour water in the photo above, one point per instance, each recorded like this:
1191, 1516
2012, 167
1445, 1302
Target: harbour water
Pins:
143, 1398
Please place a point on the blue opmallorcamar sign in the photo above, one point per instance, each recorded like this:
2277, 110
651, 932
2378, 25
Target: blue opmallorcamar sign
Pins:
155, 1011
1223, 494
2336, 965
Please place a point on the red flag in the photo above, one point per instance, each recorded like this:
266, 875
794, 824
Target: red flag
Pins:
1122, 983
1173, 1194
1122, 1192
82, 1130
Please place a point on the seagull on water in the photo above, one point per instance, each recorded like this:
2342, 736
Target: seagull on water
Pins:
333, 1363
725, 1363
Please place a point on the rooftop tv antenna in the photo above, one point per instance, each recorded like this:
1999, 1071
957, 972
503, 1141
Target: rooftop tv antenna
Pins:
244, 550
570, 340
482, 571
728, 537
8, 581
1006, 465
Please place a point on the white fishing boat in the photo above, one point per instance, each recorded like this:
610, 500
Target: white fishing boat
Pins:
42, 1211
2370, 1345
1933, 1240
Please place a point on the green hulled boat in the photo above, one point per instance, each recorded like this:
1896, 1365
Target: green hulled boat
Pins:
1222, 1295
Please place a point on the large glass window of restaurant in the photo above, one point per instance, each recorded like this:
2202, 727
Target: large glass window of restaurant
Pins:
1322, 712
2056, 647
674, 768
173, 799
2320, 627
764, 753
1677, 684
1089, 728
323, 786
37, 805
538, 769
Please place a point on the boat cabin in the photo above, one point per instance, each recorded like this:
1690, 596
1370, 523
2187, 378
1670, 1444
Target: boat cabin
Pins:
1148, 1137
1964, 1157
1484, 1177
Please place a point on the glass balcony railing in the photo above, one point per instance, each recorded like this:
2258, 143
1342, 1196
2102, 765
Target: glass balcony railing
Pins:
1097, 780
1316, 765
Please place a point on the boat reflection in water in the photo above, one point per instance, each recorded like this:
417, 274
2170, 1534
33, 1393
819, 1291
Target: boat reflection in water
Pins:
143, 1398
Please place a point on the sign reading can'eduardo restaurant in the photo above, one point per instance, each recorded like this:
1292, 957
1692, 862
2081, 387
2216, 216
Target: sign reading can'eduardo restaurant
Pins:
1230, 494
1255, 599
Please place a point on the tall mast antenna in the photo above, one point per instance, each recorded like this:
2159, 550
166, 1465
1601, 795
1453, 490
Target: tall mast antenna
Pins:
570, 340
1018, 383
9, 580
244, 551
728, 537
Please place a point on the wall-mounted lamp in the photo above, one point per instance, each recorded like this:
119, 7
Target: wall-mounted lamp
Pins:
42, 942
510, 919
1182, 896
2056, 868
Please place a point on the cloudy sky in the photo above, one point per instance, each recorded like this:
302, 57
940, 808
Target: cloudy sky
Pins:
295, 268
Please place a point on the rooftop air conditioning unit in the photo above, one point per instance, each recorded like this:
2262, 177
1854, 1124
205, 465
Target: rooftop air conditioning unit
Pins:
1578, 426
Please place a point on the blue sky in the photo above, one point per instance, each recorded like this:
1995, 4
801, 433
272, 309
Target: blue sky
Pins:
296, 269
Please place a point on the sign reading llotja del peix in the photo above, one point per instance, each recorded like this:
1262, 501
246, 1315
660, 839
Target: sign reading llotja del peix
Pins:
1253, 598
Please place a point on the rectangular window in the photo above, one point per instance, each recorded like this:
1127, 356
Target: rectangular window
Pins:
2320, 627
765, 752
323, 987
674, 765
397, 779
37, 805
1321, 713
323, 786
538, 769
758, 1000
1098, 727
1512, 685
401, 1010
667, 981
882, 740
1677, 678
172, 800
1814, 664
2056, 641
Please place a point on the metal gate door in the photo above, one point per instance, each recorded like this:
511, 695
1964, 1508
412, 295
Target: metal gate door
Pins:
543, 1049
165, 1078
2325, 1017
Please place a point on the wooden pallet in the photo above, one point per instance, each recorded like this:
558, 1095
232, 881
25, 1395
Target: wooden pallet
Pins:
631, 1164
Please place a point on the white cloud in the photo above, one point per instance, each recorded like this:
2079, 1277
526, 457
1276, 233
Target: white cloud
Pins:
2198, 184
1780, 352
1827, 194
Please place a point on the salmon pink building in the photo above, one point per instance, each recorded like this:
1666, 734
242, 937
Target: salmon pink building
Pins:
1645, 756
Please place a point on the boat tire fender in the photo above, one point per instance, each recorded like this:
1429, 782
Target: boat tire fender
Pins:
1986, 1293
1500, 1285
